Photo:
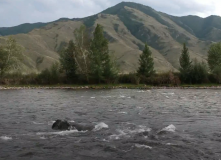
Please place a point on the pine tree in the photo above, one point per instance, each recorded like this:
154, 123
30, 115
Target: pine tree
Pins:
102, 69
67, 61
110, 70
146, 62
185, 65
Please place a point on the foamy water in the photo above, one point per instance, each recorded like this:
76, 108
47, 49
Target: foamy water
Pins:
37, 123
100, 126
142, 146
170, 128
62, 133
5, 138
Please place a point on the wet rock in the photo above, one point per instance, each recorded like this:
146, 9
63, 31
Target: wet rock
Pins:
61, 125
64, 125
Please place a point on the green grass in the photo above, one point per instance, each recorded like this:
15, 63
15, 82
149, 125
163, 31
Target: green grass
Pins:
109, 86
79, 86
201, 85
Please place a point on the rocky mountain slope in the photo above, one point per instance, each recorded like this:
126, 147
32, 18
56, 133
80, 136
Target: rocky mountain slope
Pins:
128, 26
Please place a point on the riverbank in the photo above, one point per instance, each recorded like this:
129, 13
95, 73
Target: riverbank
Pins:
114, 86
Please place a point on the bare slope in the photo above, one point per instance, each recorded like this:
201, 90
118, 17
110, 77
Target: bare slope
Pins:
45, 43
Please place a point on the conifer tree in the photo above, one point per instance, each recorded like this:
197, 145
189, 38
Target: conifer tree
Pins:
146, 62
110, 70
67, 61
102, 69
185, 65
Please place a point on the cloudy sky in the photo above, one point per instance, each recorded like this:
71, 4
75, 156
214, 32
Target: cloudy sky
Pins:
15, 12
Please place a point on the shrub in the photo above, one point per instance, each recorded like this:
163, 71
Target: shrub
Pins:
217, 74
168, 79
44, 77
199, 73
50, 76
29, 79
129, 78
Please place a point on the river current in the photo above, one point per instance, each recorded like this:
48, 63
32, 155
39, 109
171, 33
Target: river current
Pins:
129, 124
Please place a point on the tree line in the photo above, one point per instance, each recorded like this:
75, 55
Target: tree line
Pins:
87, 60
194, 72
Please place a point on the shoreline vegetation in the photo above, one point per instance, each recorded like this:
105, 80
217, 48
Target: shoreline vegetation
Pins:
98, 87
86, 63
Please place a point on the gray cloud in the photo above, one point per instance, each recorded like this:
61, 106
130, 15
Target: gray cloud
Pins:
15, 12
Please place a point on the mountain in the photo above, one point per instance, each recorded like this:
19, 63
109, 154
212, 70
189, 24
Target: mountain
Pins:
128, 26
25, 28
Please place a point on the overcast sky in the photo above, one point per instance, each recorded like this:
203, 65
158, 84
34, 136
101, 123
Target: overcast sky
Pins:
15, 12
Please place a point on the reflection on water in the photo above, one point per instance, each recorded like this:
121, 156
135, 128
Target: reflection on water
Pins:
129, 124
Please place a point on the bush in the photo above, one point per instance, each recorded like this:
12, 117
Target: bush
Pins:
44, 77
50, 76
211, 78
217, 74
129, 78
29, 79
19, 79
199, 73
164, 79
214, 56
168, 79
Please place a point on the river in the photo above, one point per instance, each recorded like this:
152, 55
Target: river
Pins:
129, 124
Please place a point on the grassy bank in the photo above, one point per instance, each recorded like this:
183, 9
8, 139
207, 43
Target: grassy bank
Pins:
111, 86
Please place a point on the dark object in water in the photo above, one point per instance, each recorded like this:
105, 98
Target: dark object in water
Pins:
61, 125
64, 125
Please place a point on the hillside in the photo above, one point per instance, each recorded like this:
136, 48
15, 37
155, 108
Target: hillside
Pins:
25, 28
128, 26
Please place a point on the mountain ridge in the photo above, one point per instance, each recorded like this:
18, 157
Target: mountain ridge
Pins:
27, 27
128, 26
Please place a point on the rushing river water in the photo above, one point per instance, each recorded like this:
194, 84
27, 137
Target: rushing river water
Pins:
129, 124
